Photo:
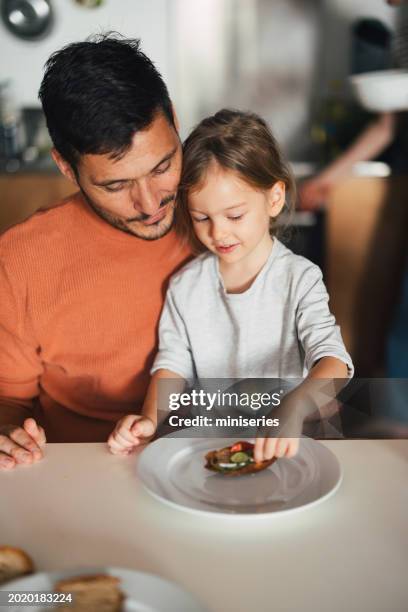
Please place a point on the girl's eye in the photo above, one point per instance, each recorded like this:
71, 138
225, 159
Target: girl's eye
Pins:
199, 220
163, 169
236, 217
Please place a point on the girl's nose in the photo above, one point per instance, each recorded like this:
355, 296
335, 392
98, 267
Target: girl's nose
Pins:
218, 231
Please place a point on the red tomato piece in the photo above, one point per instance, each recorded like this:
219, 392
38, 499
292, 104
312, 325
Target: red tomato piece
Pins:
241, 446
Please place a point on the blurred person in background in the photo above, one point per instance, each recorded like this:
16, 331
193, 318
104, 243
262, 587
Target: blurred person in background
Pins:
387, 131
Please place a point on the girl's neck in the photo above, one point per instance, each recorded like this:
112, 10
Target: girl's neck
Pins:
239, 276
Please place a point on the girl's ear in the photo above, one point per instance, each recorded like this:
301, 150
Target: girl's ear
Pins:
276, 198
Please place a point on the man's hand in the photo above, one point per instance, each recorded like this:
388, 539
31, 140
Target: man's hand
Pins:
21, 445
131, 431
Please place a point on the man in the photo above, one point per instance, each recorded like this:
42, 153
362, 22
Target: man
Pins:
83, 283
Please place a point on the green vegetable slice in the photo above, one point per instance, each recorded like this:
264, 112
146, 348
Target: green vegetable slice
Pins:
239, 457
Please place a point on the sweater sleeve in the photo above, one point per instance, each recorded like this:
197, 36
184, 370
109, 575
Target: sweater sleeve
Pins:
316, 326
174, 346
20, 363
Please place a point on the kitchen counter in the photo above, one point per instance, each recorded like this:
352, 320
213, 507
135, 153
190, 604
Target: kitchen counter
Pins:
83, 506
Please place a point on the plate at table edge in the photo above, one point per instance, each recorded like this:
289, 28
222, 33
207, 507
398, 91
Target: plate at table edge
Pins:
219, 443
171, 593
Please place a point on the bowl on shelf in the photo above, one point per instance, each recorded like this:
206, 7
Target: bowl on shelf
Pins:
383, 91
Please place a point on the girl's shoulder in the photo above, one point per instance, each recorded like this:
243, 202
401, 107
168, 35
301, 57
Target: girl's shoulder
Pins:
199, 270
294, 267
286, 258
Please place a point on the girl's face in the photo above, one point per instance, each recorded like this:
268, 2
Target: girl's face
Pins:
231, 218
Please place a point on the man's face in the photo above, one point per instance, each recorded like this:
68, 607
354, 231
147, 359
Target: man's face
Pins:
136, 193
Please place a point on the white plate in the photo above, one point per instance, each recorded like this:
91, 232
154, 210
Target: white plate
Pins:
144, 592
172, 470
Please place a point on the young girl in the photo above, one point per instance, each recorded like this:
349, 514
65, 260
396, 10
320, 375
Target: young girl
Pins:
247, 307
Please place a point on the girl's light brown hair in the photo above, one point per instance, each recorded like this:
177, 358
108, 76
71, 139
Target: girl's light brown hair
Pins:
238, 141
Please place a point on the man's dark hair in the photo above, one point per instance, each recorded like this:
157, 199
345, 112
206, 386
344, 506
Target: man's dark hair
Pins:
96, 94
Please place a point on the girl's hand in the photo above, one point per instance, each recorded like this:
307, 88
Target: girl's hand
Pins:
266, 448
130, 431
284, 440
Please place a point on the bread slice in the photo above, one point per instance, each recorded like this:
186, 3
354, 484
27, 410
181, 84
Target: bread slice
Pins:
14, 563
93, 593
215, 457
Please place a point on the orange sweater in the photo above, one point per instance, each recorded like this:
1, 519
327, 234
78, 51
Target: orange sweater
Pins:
79, 307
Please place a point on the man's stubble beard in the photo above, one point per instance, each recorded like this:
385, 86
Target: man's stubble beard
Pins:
157, 231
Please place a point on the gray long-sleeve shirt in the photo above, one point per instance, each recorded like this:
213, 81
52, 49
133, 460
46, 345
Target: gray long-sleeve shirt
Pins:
278, 328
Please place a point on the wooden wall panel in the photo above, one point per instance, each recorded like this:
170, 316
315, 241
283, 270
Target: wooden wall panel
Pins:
23, 194
366, 241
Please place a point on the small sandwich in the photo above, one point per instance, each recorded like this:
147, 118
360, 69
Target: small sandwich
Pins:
14, 563
93, 593
235, 460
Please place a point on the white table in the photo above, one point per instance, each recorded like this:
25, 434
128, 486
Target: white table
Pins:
83, 506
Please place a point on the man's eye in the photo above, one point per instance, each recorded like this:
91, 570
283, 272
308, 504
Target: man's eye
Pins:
162, 169
113, 188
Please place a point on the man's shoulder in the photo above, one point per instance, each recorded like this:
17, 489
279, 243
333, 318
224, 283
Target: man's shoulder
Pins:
42, 227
